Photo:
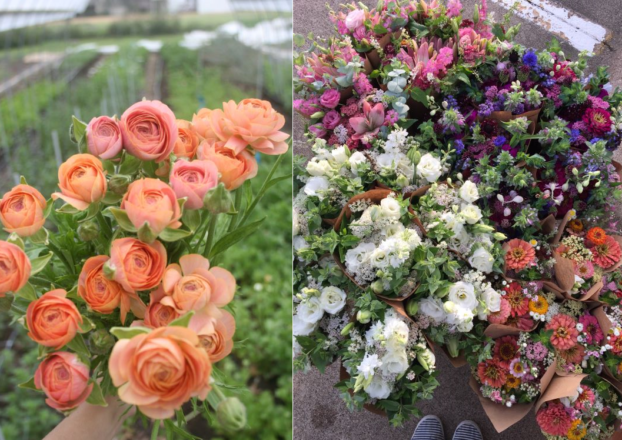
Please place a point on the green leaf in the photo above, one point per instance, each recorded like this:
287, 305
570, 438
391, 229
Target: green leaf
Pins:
39, 263
67, 209
111, 198
182, 321
420, 96
464, 78
78, 345
48, 208
191, 218
234, 236
122, 219
86, 326
27, 292
91, 212
78, 129
299, 40
128, 332
96, 397
40, 237
171, 235
129, 165
29, 385
16, 240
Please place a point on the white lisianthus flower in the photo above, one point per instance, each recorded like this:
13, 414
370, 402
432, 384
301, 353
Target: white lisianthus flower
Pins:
453, 222
311, 310
355, 160
411, 237
432, 307
468, 192
358, 256
390, 208
395, 333
393, 229
471, 213
375, 333
406, 167
340, 155
492, 303
463, 295
378, 388
394, 362
332, 299
378, 258
458, 317
429, 167
301, 327
319, 168
316, 186
367, 366
481, 260
300, 243
397, 251
389, 161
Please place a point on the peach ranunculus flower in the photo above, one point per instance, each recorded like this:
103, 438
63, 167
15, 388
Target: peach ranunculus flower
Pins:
53, 320
82, 181
234, 169
187, 140
103, 295
251, 123
153, 202
215, 333
161, 370
135, 265
64, 379
149, 130
15, 268
158, 314
201, 121
103, 137
192, 285
193, 180
22, 210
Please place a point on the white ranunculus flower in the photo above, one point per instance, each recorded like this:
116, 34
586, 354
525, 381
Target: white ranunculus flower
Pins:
359, 255
340, 155
378, 388
301, 327
368, 365
394, 362
311, 310
429, 168
492, 303
355, 160
295, 223
463, 295
432, 307
316, 186
332, 299
470, 213
319, 168
468, 192
481, 260
390, 208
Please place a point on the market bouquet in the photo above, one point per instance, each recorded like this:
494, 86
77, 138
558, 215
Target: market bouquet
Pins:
119, 284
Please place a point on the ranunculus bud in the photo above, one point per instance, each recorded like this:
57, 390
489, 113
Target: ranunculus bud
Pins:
218, 200
363, 316
231, 414
88, 231
377, 286
412, 306
100, 341
103, 137
118, 184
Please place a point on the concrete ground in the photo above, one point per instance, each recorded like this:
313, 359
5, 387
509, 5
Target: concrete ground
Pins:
319, 412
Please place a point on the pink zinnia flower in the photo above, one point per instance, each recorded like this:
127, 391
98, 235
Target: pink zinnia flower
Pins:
607, 254
502, 315
583, 269
587, 396
554, 419
597, 120
564, 332
519, 254
505, 350
491, 373
574, 355
592, 330
519, 303
517, 369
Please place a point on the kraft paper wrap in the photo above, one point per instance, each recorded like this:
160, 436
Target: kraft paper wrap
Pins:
560, 386
373, 56
605, 325
503, 116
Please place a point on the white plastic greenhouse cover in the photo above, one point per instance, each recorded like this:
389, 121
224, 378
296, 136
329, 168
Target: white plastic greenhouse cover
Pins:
15, 14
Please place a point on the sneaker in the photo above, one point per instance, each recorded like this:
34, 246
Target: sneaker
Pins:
429, 428
468, 430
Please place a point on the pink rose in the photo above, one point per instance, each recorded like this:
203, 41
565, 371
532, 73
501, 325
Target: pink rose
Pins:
193, 180
64, 379
331, 120
149, 130
355, 19
330, 98
103, 137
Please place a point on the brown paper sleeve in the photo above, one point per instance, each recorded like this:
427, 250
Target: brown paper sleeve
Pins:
564, 272
560, 386
504, 116
547, 225
375, 195
561, 228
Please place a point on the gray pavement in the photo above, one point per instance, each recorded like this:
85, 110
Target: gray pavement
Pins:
319, 412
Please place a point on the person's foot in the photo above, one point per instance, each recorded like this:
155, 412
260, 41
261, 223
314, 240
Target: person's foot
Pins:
468, 430
429, 428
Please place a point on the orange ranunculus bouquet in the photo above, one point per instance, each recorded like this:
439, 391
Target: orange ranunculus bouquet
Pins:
116, 275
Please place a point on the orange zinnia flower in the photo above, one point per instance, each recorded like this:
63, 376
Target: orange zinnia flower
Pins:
597, 236
575, 225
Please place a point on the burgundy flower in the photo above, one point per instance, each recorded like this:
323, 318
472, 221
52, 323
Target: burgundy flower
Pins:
598, 121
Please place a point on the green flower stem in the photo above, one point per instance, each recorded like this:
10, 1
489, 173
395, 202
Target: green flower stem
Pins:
262, 191
211, 231
61, 256
155, 430
200, 232
104, 226
237, 205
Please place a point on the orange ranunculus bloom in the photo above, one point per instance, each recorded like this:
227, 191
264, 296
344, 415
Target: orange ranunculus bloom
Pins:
64, 379
187, 140
215, 332
14, 268
193, 180
158, 314
153, 202
137, 266
104, 295
21, 210
597, 236
161, 370
234, 169
103, 137
149, 130
251, 123
82, 181
53, 320
201, 121
192, 285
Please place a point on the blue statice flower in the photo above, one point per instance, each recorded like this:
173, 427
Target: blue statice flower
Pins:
459, 146
451, 101
574, 135
485, 109
530, 58
500, 141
